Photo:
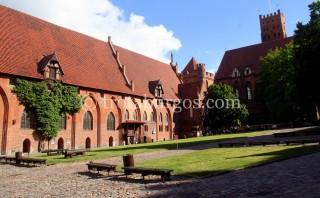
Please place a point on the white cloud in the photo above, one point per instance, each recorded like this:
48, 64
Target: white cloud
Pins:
101, 18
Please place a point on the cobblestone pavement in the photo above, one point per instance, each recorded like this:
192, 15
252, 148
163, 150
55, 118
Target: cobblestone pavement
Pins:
293, 178
299, 177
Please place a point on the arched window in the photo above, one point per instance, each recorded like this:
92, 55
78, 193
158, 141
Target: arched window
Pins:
126, 115
249, 91
247, 71
152, 117
145, 117
88, 121
160, 122
27, 120
236, 89
135, 115
235, 73
63, 122
111, 122
167, 122
237, 93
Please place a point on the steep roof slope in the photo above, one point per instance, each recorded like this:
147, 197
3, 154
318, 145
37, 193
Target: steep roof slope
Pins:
246, 56
85, 61
142, 70
191, 66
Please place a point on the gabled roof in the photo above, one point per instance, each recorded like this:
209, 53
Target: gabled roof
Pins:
87, 62
153, 85
191, 66
46, 59
247, 56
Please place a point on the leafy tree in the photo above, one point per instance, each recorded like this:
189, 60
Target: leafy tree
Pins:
307, 54
216, 117
276, 88
48, 101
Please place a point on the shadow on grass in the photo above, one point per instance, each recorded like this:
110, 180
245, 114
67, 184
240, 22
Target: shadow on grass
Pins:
187, 188
287, 153
170, 145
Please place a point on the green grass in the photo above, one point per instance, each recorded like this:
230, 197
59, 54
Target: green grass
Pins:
143, 148
221, 160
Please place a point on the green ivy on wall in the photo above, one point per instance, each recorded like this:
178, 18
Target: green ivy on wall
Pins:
48, 100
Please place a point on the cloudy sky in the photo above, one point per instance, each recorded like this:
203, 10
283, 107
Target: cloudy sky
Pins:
200, 28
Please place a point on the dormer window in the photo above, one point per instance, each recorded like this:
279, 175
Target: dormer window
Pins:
50, 68
53, 73
158, 92
235, 73
155, 88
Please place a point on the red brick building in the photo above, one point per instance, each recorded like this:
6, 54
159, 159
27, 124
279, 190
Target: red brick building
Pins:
194, 87
130, 98
240, 68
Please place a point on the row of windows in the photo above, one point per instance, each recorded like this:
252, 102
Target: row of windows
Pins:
248, 91
28, 120
236, 73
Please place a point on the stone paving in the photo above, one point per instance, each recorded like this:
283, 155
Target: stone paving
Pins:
298, 177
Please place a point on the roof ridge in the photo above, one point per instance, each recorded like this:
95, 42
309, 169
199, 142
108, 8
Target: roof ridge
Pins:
122, 68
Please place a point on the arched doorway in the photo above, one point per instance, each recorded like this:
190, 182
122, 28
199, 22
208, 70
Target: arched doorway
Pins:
26, 146
145, 139
88, 143
60, 143
110, 141
4, 107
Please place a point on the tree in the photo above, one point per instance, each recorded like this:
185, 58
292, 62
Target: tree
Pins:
307, 55
222, 108
48, 101
276, 87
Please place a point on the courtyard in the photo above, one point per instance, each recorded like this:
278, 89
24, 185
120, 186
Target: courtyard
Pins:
201, 169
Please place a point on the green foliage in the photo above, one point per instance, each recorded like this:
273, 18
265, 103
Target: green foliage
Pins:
307, 54
216, 117
48, 101
276, 88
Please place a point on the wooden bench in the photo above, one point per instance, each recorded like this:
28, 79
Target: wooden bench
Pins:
10, 159
51, 152
164, 173
71, 153
232, 144
101, 167
2, 158
34, 161
305, 141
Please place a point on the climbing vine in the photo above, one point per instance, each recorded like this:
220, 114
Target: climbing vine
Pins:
48, 101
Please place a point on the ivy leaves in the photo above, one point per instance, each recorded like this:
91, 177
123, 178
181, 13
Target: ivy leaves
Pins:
48, 101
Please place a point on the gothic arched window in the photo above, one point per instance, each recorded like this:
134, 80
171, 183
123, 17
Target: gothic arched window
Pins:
88, 121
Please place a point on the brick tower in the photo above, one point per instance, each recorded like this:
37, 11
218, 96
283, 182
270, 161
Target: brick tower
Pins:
273, 26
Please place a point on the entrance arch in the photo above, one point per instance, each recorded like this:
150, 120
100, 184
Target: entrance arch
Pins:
4, 109
110, 141
145, 139
60, 143
26, 146
88, 143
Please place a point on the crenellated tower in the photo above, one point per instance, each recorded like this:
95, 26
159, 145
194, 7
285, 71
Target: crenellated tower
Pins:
273, 26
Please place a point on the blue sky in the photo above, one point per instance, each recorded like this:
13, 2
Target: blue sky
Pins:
203, 29
207, 27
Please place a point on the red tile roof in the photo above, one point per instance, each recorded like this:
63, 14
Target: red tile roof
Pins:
246, 56
191, 66
143, 70
85, 61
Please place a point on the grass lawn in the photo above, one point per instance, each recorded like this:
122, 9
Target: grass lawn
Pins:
143, 148
220, 160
